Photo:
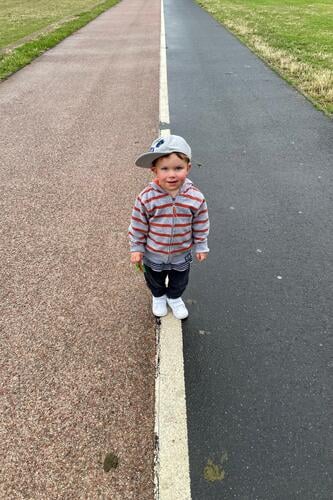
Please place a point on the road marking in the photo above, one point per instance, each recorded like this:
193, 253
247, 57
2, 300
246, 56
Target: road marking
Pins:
172, 475
171, 471
164, 101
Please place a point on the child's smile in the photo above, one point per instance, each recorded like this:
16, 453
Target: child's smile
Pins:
171, 171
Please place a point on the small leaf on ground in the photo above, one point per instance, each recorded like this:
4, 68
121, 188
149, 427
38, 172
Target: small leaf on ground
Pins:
213, 472
110, 462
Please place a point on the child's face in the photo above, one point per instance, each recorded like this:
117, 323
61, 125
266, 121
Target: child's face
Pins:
171, 171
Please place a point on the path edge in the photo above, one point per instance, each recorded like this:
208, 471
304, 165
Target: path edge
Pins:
171, 460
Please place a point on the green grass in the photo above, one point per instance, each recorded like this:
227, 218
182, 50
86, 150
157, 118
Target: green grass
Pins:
294, 36
53, 21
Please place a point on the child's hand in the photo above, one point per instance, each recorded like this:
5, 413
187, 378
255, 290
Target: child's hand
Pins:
136, 257
201, 256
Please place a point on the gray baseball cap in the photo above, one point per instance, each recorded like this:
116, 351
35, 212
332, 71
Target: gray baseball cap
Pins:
161, 147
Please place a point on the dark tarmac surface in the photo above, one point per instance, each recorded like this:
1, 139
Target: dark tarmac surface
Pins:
258, 343
77, 336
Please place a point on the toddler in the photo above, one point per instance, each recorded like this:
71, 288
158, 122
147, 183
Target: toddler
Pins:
169, 218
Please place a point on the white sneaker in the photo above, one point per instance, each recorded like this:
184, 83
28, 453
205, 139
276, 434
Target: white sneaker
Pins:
178, 308
160, 306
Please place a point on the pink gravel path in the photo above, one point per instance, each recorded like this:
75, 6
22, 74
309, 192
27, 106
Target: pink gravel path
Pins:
77, 335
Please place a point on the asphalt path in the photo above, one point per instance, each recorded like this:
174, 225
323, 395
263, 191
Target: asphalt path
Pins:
257, 344
77, 340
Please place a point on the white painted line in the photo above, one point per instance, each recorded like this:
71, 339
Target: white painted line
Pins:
171, 424
171, 471
164, 101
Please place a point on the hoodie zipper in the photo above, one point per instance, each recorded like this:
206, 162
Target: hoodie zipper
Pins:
173, 225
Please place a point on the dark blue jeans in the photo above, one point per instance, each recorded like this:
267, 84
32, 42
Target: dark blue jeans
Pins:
177, 282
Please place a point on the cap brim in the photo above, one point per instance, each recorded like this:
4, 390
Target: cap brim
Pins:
146, 160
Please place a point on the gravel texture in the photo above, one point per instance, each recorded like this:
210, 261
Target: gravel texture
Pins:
77, 334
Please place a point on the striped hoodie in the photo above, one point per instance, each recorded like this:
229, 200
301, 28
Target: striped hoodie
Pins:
166, 228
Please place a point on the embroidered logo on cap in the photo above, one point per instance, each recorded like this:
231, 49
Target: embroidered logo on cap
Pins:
159, 143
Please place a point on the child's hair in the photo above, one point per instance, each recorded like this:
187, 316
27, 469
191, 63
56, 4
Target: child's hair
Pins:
182, 156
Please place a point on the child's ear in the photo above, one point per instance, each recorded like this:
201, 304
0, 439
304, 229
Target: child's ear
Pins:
189, 166
153, 169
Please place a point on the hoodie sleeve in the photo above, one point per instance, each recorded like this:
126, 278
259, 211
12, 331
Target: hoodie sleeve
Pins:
200, 228
138, 228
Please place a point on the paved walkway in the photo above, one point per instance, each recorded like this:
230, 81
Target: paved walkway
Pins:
258, 342
77, 336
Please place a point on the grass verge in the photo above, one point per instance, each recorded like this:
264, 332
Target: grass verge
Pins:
294, 38
15, 59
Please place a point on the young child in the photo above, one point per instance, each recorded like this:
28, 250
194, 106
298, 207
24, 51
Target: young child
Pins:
169, 217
